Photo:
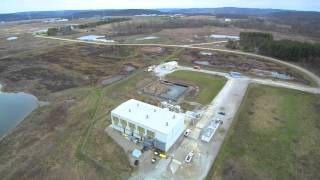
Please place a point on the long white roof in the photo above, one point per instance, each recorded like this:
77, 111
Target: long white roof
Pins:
148, 116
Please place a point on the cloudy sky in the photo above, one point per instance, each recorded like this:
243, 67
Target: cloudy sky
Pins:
7, 6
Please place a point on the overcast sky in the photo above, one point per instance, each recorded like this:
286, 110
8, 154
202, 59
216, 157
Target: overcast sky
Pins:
8, 6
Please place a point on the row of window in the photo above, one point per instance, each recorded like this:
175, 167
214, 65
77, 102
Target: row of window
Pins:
132, 127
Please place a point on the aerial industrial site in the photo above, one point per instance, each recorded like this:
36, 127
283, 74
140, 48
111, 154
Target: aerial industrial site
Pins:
190, 93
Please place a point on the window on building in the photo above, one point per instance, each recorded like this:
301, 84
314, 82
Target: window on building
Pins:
123, 124
141, 131
115, 120
150, 134
132, 127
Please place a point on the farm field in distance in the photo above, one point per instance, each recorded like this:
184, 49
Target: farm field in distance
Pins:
274, 136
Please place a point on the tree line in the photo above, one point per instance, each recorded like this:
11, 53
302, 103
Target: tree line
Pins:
68, 29
132, 28
263, 43
102, 22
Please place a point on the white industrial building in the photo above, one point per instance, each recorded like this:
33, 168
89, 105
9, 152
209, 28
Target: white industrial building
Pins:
165, 68
148, 122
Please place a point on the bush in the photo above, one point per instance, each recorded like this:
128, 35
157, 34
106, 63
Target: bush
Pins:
52, 31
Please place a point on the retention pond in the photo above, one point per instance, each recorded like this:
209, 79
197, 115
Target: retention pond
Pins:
14, 107
174, 91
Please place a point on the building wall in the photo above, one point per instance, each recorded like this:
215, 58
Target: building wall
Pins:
127, 130
164, 141
160, 137
174, 134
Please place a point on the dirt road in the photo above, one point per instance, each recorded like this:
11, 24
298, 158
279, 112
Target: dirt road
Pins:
315, 78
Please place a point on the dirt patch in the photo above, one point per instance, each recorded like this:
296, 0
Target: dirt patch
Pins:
147, 49
56, 117
155, 88
40, 80
69, 66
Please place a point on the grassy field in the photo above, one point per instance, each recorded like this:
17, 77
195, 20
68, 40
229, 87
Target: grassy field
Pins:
99, 147
276, 135
66, 139
209, 86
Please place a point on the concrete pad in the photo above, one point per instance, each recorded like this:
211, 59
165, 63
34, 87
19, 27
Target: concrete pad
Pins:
174, 166
195, 133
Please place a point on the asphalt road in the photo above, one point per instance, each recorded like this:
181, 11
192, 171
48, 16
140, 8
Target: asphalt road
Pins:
268, 82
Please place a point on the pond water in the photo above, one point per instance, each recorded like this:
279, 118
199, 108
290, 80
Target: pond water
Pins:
204, 63
12, 38
14, 107
174, 92
220, 36
112, 79
129, 68
147, 38
95, 38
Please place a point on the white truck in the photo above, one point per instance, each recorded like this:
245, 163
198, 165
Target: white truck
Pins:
189, 157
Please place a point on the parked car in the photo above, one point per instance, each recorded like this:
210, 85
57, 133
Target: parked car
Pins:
189, 157
222, 113
153, 160
197, 67
156, 153
187, 132
136, 162
219, 121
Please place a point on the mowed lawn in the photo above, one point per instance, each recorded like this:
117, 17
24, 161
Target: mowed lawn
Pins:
209, 85
276, 135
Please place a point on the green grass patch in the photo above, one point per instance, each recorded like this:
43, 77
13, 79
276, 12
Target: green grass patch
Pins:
98, 146
209, 85
275, 135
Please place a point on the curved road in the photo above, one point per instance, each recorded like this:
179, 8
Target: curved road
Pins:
314, 77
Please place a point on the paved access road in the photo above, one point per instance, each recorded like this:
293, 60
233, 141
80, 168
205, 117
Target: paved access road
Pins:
268, 82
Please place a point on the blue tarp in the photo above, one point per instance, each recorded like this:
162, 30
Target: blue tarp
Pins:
235, 74
136, 153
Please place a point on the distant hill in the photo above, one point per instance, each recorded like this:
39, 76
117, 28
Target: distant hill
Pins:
223, 10
36, 15
309, 16
302, 22
74, 14
125, 12
231, 12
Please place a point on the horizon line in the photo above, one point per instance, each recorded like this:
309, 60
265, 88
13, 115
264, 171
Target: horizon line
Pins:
158, 9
